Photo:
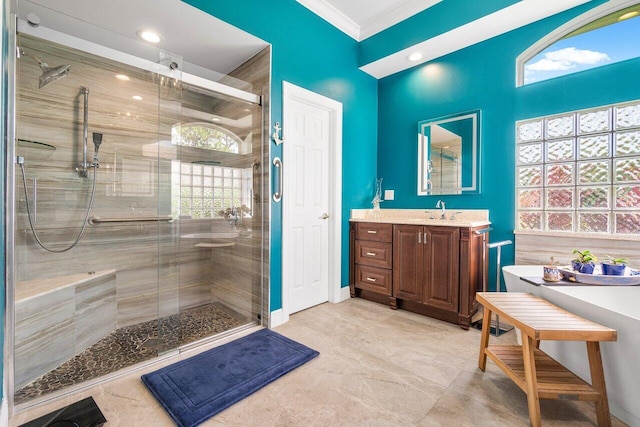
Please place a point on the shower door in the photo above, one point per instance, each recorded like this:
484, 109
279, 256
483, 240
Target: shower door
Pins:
172, 251
211, 257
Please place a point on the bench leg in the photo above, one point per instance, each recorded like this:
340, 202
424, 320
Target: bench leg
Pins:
597, 382
484, 339
533, 401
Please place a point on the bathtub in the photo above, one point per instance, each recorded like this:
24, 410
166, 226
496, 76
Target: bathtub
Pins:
617, 307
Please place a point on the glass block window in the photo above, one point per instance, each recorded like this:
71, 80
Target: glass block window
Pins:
206, 191
580, 171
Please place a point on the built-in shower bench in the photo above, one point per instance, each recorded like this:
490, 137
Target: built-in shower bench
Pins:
59, 317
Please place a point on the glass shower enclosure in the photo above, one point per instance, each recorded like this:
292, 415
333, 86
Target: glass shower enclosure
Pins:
136, 223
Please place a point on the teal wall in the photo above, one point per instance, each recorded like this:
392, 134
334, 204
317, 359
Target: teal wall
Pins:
483, 76
309, 52
438, 19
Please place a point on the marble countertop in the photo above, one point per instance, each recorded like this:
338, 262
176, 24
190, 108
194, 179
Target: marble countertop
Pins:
463, 217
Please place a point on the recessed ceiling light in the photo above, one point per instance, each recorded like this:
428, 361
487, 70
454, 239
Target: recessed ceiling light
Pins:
122, 77
628, 15
149, 36
215, 119
415, 56
137, 97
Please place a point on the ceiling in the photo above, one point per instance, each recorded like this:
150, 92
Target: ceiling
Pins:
361, 19
226, 47
204, 42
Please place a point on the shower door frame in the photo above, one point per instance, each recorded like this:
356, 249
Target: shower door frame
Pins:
15, 26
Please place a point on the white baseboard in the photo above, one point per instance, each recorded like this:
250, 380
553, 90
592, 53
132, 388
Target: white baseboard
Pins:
4, 413
345, 294
276, 318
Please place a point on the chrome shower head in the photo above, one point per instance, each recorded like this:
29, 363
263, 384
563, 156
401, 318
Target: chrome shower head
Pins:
49, 74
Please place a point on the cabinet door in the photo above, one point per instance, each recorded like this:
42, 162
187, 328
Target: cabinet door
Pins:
407, 266
441, 261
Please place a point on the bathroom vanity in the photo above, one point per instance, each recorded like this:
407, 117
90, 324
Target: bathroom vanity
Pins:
412, 259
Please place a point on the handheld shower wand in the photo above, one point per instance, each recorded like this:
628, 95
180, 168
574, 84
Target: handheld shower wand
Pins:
97, 140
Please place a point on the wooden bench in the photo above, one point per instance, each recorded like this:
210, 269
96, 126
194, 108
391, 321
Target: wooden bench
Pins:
537, 374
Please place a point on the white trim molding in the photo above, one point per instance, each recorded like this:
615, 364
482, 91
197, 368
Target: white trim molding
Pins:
345, 294
326, 11
373, 25
276, 319
293, 92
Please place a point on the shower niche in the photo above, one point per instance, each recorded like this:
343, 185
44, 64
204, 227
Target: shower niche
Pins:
139, 227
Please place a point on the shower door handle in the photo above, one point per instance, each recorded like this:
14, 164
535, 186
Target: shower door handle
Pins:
277, 195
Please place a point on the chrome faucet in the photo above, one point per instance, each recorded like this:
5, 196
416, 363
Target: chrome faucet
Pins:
233, 217
440, 205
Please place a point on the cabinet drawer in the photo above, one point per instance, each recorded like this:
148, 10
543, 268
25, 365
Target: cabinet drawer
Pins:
374, 231
375, 254
373, 279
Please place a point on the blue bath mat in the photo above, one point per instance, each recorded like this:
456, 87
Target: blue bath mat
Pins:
195, 389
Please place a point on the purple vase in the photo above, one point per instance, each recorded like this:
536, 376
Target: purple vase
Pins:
587, 268
583, 267
613, 269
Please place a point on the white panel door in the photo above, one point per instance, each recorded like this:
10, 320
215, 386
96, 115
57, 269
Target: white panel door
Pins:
306, 205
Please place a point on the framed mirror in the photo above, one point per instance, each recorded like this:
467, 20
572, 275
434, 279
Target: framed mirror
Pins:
449, 154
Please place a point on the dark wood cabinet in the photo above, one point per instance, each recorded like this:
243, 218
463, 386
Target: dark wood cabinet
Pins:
434, 270
372, 260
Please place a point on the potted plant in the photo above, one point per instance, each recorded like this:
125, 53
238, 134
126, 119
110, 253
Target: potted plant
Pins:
614, 266
584, 261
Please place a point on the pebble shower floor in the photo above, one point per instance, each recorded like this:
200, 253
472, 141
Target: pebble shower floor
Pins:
133, 344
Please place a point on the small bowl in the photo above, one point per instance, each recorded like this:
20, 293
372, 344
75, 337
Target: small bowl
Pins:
551, 273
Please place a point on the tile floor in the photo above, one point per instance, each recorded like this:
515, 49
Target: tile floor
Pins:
377, 367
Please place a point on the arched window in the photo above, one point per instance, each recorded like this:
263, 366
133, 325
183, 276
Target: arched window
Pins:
207, 188
599, 37
207, 136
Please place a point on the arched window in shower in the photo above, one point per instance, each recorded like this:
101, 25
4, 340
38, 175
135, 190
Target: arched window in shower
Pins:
211, 188
208, 136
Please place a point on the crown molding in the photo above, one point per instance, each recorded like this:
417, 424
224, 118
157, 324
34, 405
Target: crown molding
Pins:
393, 16
333, 16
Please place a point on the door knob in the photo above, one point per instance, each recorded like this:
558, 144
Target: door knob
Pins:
324, 216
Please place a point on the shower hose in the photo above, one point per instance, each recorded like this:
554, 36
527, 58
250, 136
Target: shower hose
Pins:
84, 223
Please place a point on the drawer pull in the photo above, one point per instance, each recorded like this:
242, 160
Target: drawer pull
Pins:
371, 254
372, 231
370, 279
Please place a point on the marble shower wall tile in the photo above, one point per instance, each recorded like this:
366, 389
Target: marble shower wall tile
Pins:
56, 321
95, 315
44, 334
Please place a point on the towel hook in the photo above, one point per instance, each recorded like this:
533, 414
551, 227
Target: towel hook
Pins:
276, 134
